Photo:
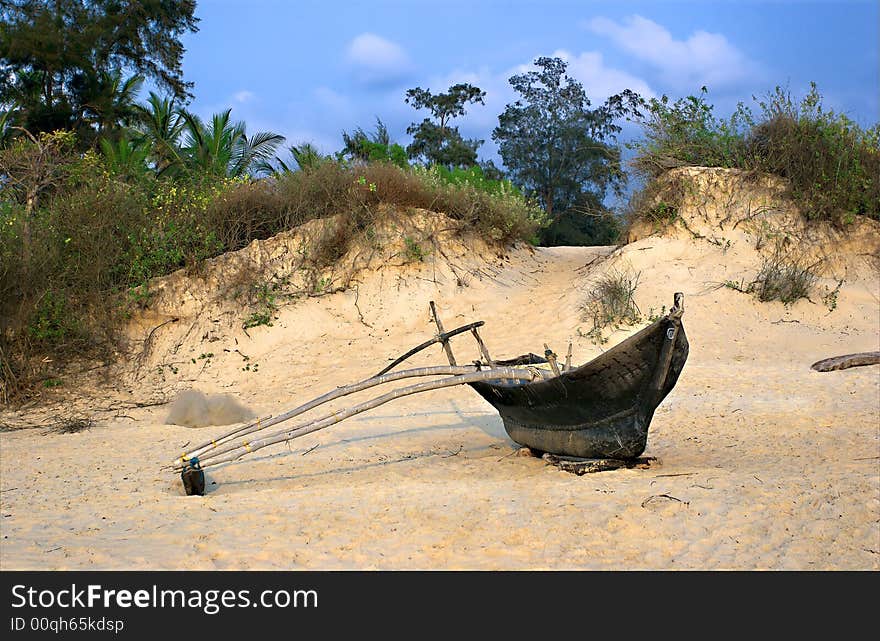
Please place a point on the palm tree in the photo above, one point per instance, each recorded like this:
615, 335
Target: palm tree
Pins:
125, 157
160, 124
222, 148
111, 104
304, 156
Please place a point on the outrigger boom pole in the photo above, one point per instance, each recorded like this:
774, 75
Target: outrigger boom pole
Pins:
237, 443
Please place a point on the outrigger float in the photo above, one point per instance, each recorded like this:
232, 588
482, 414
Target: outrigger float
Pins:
600, 410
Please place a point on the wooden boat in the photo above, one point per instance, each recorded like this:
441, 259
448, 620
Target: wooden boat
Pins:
599, 410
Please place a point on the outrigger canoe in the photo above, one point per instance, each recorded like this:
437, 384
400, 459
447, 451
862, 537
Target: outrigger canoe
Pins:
599, 410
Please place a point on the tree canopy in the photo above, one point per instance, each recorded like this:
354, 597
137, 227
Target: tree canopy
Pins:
554, 145
435, 142
64, 63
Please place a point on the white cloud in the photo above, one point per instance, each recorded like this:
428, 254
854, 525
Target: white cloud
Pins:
243, 96
599, 80
377, 61
333, 100
702, 59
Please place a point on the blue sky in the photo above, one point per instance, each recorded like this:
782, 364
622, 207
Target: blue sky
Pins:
310, 69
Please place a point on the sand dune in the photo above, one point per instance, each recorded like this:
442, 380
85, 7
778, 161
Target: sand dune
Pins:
762, 462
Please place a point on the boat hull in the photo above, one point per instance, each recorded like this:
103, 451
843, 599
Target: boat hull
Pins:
602, 409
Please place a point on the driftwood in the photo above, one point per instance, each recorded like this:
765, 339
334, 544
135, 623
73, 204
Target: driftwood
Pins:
581, 466
846, 361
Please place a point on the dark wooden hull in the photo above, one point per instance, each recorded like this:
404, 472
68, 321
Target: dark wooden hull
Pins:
602, 409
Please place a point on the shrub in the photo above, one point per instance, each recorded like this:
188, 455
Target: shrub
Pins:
413, 252
80, 237
76, 257
611, 302
658, 202
832, 163
687, 133
783, 279
241, 211
501, 216
263, 298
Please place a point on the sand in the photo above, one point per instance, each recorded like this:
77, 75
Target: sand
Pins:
761, 462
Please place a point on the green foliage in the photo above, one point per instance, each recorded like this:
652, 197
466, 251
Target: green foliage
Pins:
830, 297
364, 148
436, 142
556, 147
62, 59
394, 153
500, 214
577, 229
258, 318
476, 178
306, 156
413, 251
160, 124
687, 133
52, 321
167, 246
77, 259
223, 148
833, 164
126, 158
7, 120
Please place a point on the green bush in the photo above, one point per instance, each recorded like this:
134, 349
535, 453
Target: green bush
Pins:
687, 133
474, 177
832, 163
74, 260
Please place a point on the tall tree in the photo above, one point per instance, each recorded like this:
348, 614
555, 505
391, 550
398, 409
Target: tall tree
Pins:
435, 141
56, 55
555, 146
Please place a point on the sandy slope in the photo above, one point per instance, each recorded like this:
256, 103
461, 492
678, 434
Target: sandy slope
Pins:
763, 463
